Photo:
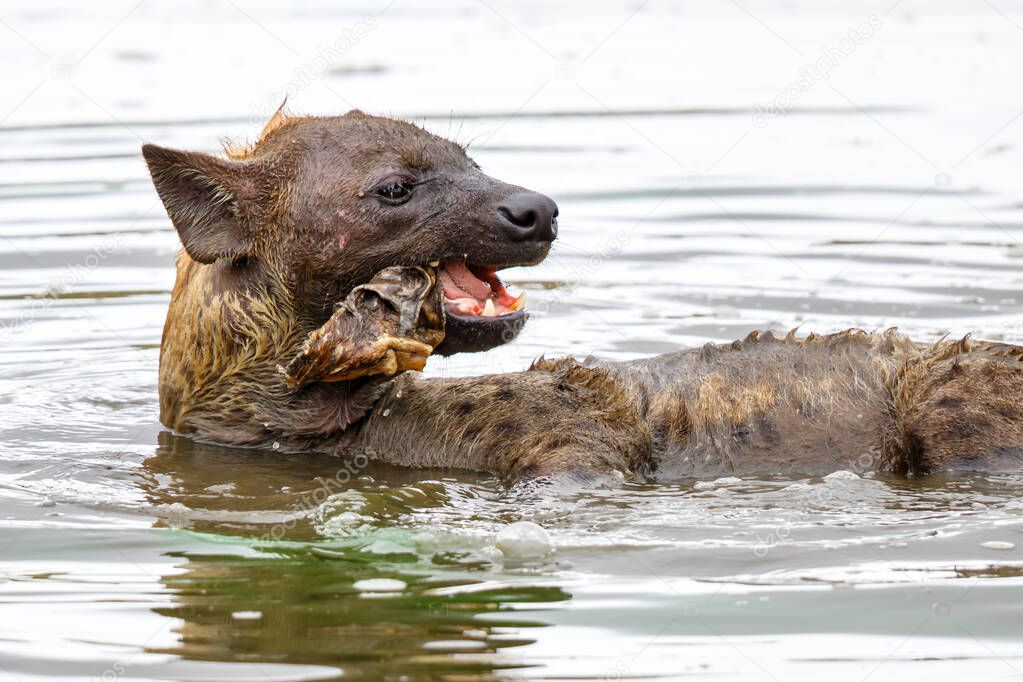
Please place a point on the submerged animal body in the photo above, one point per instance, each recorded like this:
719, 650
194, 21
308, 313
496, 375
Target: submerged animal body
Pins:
765, 405
323, 266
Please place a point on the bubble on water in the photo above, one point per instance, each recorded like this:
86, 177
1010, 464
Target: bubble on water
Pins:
387, 547
454, 644
345, 524
842, 475
703, 485
728, 480
339, 515
997, 544
176, 514
524, 541
247, 615
379, 585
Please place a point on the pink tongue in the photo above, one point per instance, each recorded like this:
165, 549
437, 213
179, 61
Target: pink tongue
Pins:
459, 282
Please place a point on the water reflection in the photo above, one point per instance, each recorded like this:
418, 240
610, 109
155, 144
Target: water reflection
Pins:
198, 486
284, 600
296, 606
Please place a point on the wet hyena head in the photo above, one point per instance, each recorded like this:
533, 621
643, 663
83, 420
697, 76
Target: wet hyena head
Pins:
320, 204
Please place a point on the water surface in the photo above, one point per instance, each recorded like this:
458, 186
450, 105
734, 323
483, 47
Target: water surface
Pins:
886, 195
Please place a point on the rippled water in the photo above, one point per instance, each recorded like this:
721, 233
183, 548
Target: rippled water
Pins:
888, 194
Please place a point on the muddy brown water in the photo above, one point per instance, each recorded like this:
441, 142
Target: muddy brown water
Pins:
887, 194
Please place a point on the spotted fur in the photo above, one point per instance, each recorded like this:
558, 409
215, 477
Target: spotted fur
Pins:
280, 231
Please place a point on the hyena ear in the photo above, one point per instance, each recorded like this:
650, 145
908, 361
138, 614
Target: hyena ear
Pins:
209, 200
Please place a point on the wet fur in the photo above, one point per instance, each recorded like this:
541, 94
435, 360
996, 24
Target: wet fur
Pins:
275, 236
258, 277
853, 400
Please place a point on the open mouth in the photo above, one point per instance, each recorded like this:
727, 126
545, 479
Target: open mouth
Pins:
480, 313
473, 291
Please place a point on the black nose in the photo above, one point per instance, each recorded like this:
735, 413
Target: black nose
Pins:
529, 216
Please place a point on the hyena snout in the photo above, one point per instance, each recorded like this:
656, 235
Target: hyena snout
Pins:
529, 216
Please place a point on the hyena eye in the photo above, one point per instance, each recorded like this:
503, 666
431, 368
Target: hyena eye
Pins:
397, 192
